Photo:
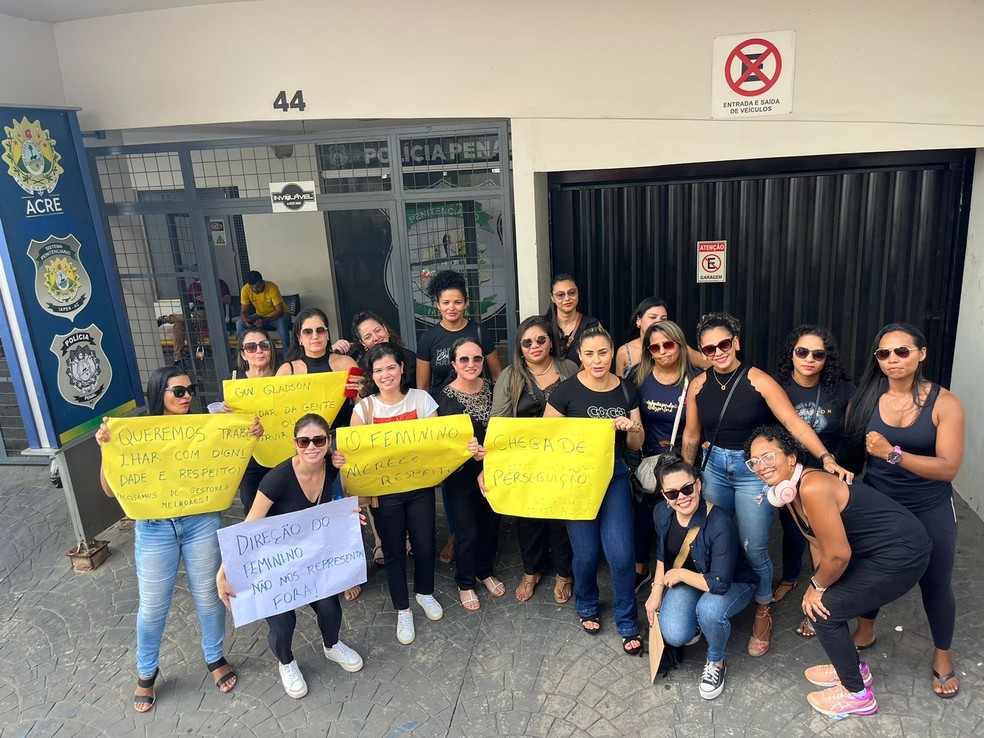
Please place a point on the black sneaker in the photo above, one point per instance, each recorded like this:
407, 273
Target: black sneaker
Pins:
712, 680
696, 638
641, 579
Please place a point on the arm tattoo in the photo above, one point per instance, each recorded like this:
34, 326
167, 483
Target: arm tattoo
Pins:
690, 452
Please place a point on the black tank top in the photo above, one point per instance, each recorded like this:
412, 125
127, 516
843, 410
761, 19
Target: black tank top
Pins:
747, 410
912, 491
878, 528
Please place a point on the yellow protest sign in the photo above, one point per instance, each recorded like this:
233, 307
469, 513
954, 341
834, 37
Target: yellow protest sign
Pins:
555, 468
169, 466
385, 458
279, 402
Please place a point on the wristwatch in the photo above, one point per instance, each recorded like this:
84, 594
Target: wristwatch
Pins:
894, 456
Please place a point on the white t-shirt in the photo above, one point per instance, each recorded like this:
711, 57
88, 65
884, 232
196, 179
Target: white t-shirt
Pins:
416, 404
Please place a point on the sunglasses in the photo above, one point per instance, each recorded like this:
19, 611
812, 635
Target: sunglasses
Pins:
560, 295
528, 342
469, 360
179, 391
801, 352
320, 330
900, 351
724, 346
768, 460
686, 490
304, 441
666, 346
252, 346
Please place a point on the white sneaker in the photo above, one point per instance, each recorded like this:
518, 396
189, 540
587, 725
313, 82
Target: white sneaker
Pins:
344, 657
293, 680
404, 627
432, 608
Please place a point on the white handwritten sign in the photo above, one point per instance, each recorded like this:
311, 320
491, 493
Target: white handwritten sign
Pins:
281, 563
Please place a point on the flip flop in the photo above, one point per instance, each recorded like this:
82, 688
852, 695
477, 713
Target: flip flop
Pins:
563, 589
943, 679
225, 678
805, 629
494, 586
469, 600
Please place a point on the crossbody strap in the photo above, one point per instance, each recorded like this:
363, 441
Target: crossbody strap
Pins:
816, 406
688, 541
679, 412
724, 409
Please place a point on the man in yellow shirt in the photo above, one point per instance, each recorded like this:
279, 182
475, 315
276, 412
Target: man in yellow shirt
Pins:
263, 306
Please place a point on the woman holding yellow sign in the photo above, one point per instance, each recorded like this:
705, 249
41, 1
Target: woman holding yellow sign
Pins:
159, 546
522, 391
594, 392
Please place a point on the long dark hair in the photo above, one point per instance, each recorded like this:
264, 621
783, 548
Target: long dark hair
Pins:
241, 363
873, 383
670, 464
520, 377
296, 351
365, 315
832, 371
158, 383
377, 352
641, 309
674, 332
551, 315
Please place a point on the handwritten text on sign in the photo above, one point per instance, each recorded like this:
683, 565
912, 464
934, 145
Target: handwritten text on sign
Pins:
555, 468
279, 402
281, 563
167, 466
403, 456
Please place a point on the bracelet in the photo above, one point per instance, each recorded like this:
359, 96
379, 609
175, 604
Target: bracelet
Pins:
825, 455
661, 584
817, 587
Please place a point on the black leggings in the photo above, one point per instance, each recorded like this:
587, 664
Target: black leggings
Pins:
543, 540
936, 585
398, 516
865, 584
477, 529
329, 614
250, 483
793, 546
643, 531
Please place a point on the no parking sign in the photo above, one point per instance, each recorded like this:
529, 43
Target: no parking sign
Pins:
753, 75
712, 261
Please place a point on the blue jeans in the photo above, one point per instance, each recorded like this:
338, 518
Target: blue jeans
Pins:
282, 324
684, 607
728, 483
610, 531
159, 546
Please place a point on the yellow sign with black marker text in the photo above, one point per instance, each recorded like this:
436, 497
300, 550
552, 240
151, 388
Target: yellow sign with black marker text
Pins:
549, 468
386, 458
167, 466
279, 402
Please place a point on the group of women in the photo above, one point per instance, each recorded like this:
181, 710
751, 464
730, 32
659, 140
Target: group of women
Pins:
722, 466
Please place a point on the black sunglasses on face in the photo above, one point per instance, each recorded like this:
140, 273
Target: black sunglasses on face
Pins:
665, 345
725, 346
801, 352
900, 351
179, 391
686, 490
304, 441
528, 342
250, 348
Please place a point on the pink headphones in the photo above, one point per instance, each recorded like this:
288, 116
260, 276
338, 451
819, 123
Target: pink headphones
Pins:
786, 490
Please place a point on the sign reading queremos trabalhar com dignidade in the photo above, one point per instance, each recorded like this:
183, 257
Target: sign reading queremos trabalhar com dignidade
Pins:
293, 197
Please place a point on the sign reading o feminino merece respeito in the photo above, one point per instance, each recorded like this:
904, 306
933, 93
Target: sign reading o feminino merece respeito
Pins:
293, 197
753, 75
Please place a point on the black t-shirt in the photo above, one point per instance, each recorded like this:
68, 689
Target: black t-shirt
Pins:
573, 400
435, 345
825, 417
281, 486
658, 407
532, 402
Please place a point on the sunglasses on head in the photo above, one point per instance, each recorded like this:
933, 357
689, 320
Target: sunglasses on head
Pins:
801, 352
179, 391
250, 348
900, 351
304, 441
686, 490
470, 359
528, 342
320, 330
665, 345
725, 346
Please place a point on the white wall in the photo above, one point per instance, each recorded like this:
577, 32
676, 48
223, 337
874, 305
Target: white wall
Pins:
291, 249
30, 64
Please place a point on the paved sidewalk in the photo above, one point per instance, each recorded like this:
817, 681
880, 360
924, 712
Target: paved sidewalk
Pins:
67, 664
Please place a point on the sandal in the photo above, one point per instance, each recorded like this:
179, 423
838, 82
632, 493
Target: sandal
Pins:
782, 589
377, 556
758, 645
352, 593
943, 679
632, 650
494, 586
563, 589
145, 699
591, 620
469, 600
805, 629
447, 553
222, 681
526, 587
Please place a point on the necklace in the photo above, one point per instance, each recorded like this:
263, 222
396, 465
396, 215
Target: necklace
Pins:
660, 375
727, 382
568, 338
321, 482
899, 409
545, 371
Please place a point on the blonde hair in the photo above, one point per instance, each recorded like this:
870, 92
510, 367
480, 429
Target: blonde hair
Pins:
646, 362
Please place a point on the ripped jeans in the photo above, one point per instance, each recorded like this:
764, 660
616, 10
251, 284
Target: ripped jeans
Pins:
728, 483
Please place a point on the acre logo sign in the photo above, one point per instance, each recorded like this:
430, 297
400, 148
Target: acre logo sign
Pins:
753, 75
